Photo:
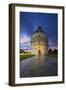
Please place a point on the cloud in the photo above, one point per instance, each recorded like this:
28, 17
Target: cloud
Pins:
25, 43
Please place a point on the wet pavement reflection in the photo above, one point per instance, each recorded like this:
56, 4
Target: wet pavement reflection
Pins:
37, 66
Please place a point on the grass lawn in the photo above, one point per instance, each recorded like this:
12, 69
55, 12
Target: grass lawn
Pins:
25, 56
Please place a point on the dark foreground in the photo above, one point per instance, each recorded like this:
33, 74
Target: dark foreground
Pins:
37, 66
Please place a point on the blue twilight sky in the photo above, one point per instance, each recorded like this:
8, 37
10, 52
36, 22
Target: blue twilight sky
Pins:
30, 21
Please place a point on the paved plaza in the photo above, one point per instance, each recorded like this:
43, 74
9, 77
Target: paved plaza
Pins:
37, 66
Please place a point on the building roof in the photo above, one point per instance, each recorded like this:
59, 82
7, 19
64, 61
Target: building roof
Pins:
39, 29
39, 34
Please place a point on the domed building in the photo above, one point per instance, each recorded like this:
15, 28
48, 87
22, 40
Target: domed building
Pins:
39, 42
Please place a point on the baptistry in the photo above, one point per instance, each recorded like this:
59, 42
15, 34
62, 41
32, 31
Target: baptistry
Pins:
39, 42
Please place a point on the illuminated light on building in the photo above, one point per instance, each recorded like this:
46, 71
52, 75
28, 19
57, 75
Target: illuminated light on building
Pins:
53, 49
39, 42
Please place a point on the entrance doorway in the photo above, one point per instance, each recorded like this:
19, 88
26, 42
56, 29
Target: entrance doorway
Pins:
39, 52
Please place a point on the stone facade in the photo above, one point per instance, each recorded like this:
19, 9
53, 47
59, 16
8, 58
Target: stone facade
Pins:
39, 42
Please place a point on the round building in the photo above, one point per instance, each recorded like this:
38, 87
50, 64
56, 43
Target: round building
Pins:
39, 42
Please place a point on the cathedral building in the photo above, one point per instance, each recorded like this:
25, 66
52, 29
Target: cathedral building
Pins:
39, 42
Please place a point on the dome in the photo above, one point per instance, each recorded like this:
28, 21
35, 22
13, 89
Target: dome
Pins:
39, 29
39, 35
